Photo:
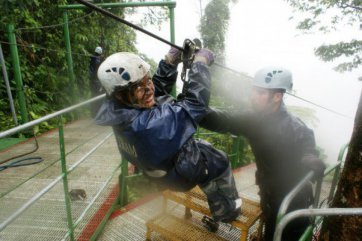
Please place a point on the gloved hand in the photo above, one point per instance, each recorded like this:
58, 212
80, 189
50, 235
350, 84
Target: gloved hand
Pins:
313, 163
173, 57
204, 56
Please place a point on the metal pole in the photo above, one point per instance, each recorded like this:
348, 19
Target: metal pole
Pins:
172, 37
48, 117
17, 74
312, 213
65, 180
288, 199
317, 192
337, 172
123, 183
235, 151
6, 79
69, 54
172, 24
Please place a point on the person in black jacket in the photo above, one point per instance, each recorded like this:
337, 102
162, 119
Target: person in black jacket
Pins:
154, 131
95, 85
283, 146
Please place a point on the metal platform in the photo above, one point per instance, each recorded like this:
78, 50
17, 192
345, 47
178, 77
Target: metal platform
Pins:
130, 224
46, 219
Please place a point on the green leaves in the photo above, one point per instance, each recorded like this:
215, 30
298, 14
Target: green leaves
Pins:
351, 50
326, 16
214, 25
41, 47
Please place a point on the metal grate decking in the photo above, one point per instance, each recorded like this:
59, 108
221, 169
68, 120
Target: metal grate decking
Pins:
130, 224
46, 219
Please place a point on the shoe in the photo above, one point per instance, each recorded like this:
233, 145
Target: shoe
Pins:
233, 215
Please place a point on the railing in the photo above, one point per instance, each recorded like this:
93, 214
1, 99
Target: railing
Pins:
64, 173
313, 213
72, 221
283, 219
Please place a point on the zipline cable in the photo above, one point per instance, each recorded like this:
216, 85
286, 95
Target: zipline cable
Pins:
111, 15
310, 102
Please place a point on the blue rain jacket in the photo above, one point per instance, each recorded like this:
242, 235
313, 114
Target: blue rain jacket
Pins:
160, 138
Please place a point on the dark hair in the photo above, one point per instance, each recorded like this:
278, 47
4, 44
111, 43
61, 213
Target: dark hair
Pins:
277, 90
125, 95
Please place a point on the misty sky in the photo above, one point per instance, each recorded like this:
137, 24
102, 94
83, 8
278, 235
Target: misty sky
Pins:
261, 34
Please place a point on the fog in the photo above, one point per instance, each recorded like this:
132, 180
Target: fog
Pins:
261, 34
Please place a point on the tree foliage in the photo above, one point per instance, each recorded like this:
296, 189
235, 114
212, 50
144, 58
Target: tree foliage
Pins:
349, 190
41, 46
227, 87
214, 23
328, 15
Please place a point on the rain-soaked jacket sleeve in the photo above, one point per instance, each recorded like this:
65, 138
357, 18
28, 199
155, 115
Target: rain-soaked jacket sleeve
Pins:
196, 92
223, 121
304, 138
158, 133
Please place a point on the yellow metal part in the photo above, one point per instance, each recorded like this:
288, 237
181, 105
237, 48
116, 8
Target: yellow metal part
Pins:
196, 200
179, 229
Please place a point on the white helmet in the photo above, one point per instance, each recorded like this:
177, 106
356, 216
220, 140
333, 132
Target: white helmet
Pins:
274, 78
121, 70
98, 50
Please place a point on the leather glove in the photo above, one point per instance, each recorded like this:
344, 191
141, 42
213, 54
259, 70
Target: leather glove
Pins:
173, 57
204, 56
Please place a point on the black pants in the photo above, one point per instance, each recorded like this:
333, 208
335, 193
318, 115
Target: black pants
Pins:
270, 202
293, 231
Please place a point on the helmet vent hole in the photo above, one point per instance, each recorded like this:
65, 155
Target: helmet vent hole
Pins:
126, 76
114, 69
120, 71
108, 70
267, 79
270, 75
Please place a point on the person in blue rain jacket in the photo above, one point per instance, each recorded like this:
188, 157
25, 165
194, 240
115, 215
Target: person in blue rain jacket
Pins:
154, 131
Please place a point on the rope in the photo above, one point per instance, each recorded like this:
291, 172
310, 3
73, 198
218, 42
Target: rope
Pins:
322, 107
22, 162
